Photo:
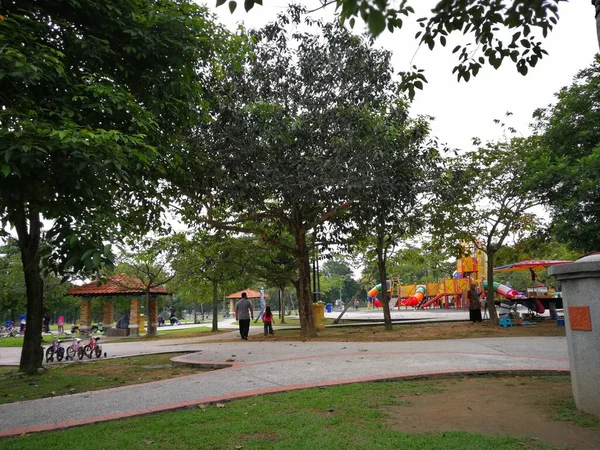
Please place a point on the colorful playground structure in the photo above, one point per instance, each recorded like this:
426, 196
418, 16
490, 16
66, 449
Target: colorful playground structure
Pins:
451, 292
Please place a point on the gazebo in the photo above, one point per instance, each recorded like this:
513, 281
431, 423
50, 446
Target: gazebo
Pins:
116, 286
237, 295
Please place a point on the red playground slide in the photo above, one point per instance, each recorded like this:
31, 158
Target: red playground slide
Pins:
433, 300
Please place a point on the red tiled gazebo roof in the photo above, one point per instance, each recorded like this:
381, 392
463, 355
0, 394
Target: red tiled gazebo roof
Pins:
117, 285
249, 292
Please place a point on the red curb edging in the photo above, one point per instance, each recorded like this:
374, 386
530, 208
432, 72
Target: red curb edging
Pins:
208, 400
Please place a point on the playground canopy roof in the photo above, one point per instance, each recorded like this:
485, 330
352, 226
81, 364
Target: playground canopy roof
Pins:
249, 292
533, 264
117, 285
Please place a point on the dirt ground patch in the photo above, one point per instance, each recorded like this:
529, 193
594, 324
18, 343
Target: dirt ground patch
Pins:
531, 408
422, 332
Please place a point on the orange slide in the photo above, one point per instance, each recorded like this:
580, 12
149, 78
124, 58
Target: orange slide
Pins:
415, 299
433, 300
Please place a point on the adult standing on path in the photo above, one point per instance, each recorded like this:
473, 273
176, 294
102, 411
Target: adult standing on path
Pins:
243, 314
474, 304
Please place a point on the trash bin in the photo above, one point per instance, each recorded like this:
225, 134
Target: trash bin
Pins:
328, 307
318, 315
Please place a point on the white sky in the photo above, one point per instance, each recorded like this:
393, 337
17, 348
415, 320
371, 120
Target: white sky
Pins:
465, 110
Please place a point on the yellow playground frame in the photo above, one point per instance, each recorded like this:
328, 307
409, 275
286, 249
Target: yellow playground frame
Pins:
449, 292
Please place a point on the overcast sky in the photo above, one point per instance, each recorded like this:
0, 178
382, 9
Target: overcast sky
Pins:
465, 110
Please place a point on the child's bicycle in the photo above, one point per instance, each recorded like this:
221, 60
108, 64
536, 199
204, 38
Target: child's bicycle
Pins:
8, 331
55, 350
93, 348
75, 349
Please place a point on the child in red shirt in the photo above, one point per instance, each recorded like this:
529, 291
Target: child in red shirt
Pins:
268, 320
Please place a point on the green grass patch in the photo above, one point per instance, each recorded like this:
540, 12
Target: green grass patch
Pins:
566, 411
195, 330
341, 417
63, 379
171, 334
291, 322
18, 341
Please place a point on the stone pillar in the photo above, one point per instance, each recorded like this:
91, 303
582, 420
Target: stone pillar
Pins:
107, 316
231, 306
134, 317
85, 319
581, 303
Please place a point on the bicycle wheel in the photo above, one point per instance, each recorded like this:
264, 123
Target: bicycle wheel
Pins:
49, 354
80, 352
60, 353
98, 351
87, 351
71, 353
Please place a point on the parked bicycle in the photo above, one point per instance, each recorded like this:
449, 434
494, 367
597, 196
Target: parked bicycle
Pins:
9, 330
95, 328
75, 349
55, 350
93, 348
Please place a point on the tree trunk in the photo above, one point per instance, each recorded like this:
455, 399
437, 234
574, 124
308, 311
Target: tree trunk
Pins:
29, 243
596, 4
215, 303
381, 265
281, 304
490, 289
151, 316
350, 302
307, 324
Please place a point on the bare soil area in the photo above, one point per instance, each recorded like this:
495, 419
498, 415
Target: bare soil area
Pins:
423, 332
536, 409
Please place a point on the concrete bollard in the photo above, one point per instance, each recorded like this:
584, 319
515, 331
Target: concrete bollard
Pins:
581, 302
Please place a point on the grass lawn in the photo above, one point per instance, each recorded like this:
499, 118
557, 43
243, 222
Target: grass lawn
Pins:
361, 416
419, 332
90, 376
172, 334
18, 341
288, 322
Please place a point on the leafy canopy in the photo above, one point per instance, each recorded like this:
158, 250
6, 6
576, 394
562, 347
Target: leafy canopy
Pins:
565, 169
497, 29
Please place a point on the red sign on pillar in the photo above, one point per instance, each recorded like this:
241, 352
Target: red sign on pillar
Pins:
579, 318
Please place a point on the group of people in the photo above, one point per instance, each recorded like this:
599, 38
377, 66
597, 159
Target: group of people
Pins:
46, 323
244, 313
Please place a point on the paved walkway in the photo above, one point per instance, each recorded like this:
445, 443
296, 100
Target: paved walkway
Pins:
260, 366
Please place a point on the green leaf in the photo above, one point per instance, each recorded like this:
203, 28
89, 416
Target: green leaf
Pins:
5, 169
232, 6
376, 22
220, 2
248, 5
87, 255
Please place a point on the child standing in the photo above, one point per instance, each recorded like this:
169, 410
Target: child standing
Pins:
61, 324
268, 320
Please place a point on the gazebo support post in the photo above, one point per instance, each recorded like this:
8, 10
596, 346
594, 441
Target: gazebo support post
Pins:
85, 320
107, 314
134, 317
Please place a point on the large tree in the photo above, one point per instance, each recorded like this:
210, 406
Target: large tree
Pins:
390, 184
147, 265
278, 145
496, 29
218, 259
97, 98
483, 200
565, 171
